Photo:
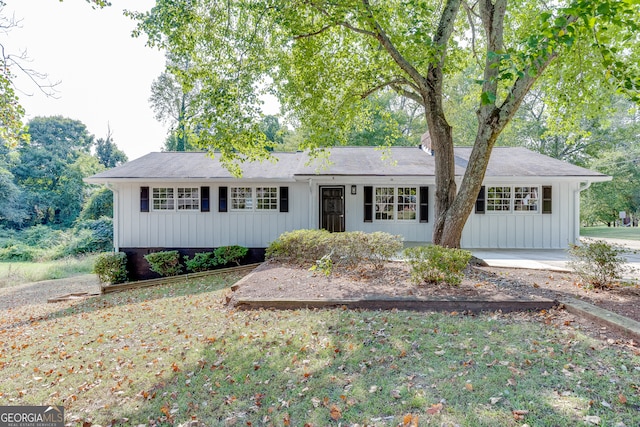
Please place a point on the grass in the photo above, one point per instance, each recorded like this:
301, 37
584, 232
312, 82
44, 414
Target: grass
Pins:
15, 273
628, 233
174, 354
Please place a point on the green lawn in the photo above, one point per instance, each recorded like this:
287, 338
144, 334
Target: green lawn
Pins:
15, 273
171, 354
629, 233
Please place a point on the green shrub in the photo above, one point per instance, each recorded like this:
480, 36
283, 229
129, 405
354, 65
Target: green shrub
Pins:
436, 264
17, 251
42, 236
89, 236
165, 263
111, 267
597, 262
228, 254
202, 261
347, 250
300, 246
99, 204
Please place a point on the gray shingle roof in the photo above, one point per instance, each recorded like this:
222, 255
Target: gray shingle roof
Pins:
359, 161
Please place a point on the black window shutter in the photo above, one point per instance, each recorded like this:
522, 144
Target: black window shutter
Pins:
284, 199
144, 199
222, 199
480, 201
424, 204
204, 199
546, 199
368, 204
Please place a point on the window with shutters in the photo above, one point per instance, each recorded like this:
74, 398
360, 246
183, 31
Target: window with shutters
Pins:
180, 198
525, 198
395, 203
254, 198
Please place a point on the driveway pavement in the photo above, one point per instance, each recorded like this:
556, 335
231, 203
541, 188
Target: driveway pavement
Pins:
551, 259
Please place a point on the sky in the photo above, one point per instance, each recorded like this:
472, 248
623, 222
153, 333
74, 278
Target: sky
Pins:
105, 75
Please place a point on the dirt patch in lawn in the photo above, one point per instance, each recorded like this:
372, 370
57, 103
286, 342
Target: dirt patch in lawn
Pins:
279, 281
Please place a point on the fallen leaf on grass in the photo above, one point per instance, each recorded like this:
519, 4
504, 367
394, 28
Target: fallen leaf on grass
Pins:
622, 398
335, 413
435, 409
518, 414
410, 420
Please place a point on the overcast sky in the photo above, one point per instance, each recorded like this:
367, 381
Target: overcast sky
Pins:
105, 74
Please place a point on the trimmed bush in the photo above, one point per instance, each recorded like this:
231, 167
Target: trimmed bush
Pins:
598, 263
437, 264
165, 263
202, 261
300, 246
347, 250
227, 254
111, 267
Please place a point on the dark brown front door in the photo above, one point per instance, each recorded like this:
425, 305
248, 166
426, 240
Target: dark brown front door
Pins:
332, 208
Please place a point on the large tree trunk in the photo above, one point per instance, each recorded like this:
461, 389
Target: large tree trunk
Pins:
452, 212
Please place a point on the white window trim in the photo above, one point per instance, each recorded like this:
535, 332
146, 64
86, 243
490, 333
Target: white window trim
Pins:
253, 201
512, 200
195, 201
395, 205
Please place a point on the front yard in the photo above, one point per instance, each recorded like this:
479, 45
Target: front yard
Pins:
175, 354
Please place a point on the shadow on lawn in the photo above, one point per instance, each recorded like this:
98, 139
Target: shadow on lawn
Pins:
323, 367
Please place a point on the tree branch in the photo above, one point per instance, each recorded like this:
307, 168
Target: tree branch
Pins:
391, 83
386, 43
314, 33
409, 94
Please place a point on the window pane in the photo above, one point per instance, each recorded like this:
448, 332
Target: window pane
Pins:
407, 201
188, 198
241, 198
267, 198
498, 199
525, 199
162, 199
384, 203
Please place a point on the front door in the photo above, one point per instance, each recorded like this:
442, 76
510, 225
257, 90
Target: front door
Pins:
332, 208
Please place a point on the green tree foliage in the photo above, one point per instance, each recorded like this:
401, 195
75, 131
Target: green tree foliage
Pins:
11, 112
173, 101
51, 169
97, 205
604, 202
108, 153
394, 120
326, 57
272, 130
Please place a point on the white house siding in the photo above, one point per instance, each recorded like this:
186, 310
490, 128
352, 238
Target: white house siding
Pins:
519, 230
411, 231
184, 229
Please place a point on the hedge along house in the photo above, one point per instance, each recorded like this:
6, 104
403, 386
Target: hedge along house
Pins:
188, 201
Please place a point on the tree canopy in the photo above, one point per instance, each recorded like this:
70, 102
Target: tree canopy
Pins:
323, 59
50, 169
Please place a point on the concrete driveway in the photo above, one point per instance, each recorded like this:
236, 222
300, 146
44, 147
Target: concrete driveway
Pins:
551, 259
